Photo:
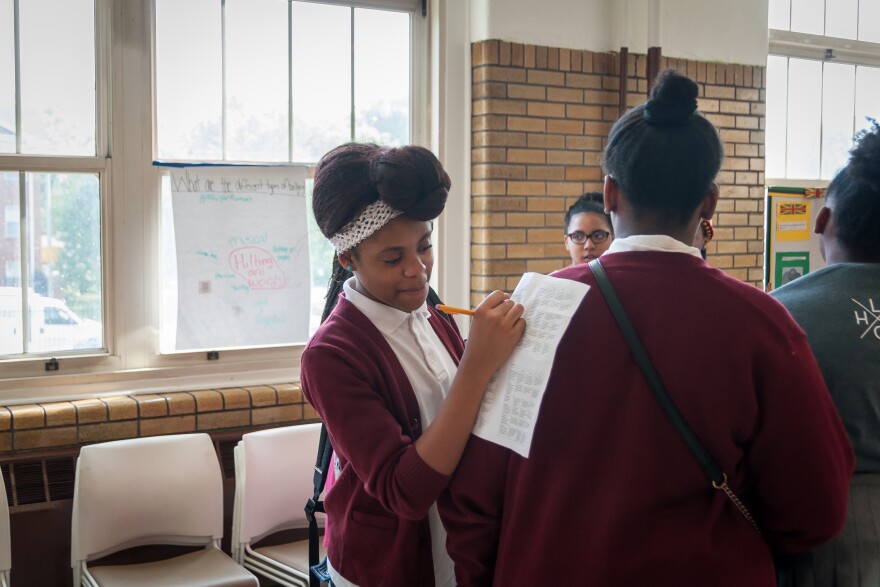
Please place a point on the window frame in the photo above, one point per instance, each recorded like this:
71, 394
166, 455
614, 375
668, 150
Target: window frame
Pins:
131, 221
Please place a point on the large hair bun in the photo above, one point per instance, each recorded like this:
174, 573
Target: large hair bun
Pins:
673, 100
411, 179
864, 162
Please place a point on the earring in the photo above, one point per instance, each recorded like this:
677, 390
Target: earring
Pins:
348, 268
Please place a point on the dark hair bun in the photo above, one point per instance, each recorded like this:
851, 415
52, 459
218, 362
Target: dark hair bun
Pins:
673, 100
864, 161
412, 180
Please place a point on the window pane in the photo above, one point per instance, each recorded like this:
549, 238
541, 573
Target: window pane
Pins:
869, 21
780, 14
11, 339
58, 77
777, 100
7, 79
64, 262
841, 18
189, 95
256, 80
804, 118
808, 16
838, 95
381, 76
321, 86
867, 95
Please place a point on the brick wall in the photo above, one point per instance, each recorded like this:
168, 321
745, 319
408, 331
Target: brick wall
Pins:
541, 116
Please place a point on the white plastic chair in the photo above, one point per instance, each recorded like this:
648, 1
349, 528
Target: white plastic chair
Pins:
5, 541
160, 490
273, 481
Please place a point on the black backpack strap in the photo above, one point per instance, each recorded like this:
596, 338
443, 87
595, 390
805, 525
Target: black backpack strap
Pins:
707, 463
315, 505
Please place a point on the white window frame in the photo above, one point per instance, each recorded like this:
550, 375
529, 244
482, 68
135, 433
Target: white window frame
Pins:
131, 221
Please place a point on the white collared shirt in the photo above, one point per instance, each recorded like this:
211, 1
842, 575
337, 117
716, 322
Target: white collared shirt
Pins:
651, 242
430, 370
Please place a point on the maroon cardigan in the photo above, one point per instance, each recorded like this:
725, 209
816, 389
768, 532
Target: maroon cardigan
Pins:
610, 495
380, 501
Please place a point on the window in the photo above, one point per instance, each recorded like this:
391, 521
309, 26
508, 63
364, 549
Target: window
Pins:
278, 83
51, 247
93, 93
823, 81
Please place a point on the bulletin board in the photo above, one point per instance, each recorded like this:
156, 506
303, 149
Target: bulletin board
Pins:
792, 249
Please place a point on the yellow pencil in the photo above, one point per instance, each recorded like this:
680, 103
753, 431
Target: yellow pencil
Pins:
454, 310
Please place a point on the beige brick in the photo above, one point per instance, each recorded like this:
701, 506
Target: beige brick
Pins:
546, 78
528, 56
565, 59
735, 164
499, 139
486, 220
740, 274
277, 414
723, 92
527, 124
489, 155
525, 219
546, 265
516, 54
491, 187
497, 203
735, 136
728, 107
497, 171
526, 188
180, 403
530, 251
756, 137
579, 80
514, 107
583, 173
503, 53
489, 90
263, 395
27, 416
564, 188
484, 52
172, 425
107, 431
498, 267
749, 122
289, 393
601, 97
489, 122
746, 177
545, 109
706, 105
745, 233
576, 60
546, 204
44, 437
574, 127
584, 143
526, 92
220, 420
499, 74
743, 150
526, 156
758, 109
546, 141
565, 157
498, 235
487, 283
90, 410
543, 235
565, 95
552, 58
756, 220
747, 94
597, 128
584, 112
746, 205
744, 260
731, 247
733, 219
756, 164
540, 172
756, 276
722, 120
489, 251
60, 414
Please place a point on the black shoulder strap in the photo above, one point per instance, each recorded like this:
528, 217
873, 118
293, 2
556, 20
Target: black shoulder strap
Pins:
707, 463
315, 505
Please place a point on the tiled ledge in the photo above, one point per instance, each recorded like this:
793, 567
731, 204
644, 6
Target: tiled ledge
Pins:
64, 424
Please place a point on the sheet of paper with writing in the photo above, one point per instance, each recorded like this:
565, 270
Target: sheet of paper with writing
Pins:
509, 411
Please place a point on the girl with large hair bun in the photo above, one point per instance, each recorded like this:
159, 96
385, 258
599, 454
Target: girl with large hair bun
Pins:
610, 494
837, 306
391, 379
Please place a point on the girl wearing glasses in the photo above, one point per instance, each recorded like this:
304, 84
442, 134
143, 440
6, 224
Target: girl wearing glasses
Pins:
588, 230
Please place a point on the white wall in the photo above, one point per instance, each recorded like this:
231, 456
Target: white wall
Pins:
706, 30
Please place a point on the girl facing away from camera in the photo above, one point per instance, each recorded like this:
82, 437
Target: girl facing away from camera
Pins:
392, 379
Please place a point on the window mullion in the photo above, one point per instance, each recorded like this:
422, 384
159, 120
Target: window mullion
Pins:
290, 81
23, 260
352, 74
223, 121
16, 27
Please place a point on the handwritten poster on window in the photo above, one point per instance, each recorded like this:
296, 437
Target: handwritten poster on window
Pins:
242, 256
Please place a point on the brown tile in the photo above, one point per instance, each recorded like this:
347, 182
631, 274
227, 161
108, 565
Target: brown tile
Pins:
27, 416
234, 419
60, 414
89, 411
107, 431
5, 418
45, 437
173, 425
289, 393
121, 407
151, 405
263, 395
292, 413
309, 413
180, 403
235, 398
208, 401
5, 441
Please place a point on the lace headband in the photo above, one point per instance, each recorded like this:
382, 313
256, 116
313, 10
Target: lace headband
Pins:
374, 217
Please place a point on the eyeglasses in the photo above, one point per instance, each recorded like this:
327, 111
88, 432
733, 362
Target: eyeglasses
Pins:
597, 236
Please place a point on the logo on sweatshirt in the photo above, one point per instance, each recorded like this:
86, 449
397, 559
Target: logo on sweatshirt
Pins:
868, 317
